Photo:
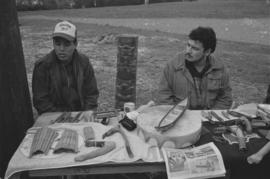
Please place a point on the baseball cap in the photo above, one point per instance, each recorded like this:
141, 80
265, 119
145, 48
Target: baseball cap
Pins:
65, 30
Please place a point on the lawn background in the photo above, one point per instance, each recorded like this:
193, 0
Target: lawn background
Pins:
248, 63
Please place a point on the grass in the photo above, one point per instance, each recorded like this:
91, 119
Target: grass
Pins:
223, 9
248, 63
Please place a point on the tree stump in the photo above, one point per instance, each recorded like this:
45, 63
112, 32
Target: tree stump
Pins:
126, 70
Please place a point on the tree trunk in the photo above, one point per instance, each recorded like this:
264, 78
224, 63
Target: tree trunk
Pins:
15, 105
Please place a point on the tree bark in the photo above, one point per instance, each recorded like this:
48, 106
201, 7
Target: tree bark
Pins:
15, 105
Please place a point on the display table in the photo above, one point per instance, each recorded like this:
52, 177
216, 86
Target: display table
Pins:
116, 161
234, 160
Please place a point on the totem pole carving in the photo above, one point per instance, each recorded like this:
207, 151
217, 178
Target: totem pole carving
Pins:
126, 70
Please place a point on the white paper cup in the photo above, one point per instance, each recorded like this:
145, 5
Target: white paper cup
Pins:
128, 107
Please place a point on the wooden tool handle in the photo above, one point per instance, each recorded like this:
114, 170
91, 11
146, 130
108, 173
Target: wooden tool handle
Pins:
215, 115
108, 146
77, 117
240, 135
242, 144
225, 114
122, 133
207, 116
129, 151
248, 126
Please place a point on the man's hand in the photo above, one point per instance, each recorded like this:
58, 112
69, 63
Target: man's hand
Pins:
254, 159
257, 157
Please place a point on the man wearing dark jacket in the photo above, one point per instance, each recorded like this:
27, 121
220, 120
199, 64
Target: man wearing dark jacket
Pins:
64, 79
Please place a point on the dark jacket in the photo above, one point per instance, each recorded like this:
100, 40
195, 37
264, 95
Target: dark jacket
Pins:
47, 85
177, 83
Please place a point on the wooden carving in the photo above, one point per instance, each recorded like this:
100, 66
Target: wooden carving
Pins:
67, 142
126, 70
172, 116
185, 131
43, 141
88, 133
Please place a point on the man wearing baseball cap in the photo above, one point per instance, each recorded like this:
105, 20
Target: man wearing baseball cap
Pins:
64, 79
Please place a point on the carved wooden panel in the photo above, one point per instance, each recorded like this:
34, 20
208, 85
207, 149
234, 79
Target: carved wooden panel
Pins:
126, 70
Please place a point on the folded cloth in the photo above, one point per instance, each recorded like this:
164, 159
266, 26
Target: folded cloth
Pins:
265, 133
264, 107
263, 110
263, 115
141, 150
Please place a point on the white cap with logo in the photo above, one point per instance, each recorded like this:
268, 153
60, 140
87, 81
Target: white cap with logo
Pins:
65, 30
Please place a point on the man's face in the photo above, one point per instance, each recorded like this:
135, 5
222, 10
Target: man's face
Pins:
194, 51
63, 48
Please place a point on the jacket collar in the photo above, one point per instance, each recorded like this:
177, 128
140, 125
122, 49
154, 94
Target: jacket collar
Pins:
179, 63
55, 58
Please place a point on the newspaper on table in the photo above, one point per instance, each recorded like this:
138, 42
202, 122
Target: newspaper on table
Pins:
204, 161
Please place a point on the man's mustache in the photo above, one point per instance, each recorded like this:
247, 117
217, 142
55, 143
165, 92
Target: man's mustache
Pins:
188, 55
